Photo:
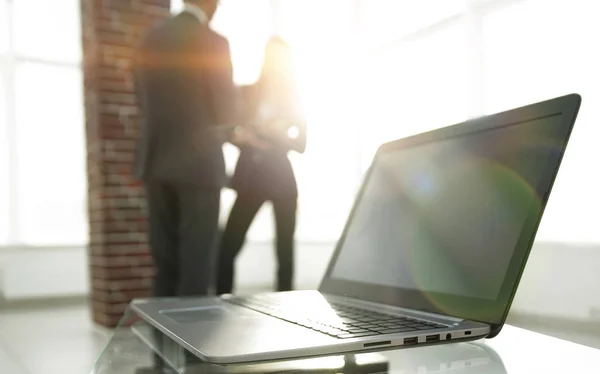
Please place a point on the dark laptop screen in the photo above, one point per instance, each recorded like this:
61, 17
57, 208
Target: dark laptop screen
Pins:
446, 216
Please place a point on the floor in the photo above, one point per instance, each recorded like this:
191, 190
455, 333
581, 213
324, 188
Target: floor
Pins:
53, 339
586, 333
59, 337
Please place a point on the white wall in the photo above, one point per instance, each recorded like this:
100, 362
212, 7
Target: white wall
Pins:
45, 272
256, 265
561, 280
59, 272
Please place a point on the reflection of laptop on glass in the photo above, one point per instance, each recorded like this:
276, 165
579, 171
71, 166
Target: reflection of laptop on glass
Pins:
432, 252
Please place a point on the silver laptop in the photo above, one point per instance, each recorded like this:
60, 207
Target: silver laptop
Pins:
432, 252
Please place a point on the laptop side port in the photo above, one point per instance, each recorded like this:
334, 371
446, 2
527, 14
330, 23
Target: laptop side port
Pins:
374, 344
432, 338
410, 341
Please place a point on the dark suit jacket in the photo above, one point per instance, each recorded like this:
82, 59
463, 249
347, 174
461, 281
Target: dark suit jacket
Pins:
265, 173
184, 84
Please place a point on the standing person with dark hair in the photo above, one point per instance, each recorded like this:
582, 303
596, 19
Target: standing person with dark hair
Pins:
270, 109
185, 89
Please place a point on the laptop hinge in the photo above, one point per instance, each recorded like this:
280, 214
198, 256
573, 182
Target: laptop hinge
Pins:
397, 309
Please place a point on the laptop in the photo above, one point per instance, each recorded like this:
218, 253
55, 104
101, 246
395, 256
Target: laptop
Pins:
432, 252
468, 358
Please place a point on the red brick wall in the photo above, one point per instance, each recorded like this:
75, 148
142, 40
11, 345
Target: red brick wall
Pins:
121, 268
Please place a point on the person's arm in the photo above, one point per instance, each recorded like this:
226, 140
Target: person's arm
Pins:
245, 133
289, 137
291, 134
243, 136
297, 142
228, 109
219, 79
143, 71
146, 83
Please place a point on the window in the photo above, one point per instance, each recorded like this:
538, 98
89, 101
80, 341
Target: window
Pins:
526, 64
384, 21
511, 53
4, 167
323, 200
42, 142
4, 27
247, 27
316, 25
321, 33
61, 25
541, 61
51, 155
415, 86
371, 71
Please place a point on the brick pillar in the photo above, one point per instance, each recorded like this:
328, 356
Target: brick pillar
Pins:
121, 267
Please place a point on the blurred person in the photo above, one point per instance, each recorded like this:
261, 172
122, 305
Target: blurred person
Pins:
270, 111
185, 88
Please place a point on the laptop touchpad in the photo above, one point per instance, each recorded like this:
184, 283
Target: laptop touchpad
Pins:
190, 315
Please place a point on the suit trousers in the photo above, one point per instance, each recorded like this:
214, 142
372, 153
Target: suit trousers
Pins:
242, 214
183, 234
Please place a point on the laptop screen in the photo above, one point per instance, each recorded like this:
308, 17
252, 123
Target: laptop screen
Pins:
445, 216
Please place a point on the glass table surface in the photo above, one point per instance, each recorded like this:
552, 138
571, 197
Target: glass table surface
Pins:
8, 360
138, 348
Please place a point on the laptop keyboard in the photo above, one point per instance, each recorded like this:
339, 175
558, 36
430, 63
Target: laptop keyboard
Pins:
334, 319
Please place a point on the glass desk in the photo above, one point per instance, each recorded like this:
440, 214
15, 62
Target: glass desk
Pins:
8, 362
137, 348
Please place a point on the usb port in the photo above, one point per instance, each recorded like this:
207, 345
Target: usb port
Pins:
410, 341
432, 338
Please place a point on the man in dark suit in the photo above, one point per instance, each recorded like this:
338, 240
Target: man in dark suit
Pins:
185, 89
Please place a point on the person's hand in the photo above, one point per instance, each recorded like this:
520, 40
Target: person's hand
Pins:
242, 136
259, 144
275, 129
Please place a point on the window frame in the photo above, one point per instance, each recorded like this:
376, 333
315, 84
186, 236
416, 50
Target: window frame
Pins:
474, 14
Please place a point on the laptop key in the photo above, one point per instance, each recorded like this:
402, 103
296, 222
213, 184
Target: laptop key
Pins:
380, 328
338, 325
365, 322
350, 321
357, 330
425, 327
368, 326
397, 326
396, 331
356, 335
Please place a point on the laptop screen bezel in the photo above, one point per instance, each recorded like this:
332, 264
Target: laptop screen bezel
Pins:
493, 312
